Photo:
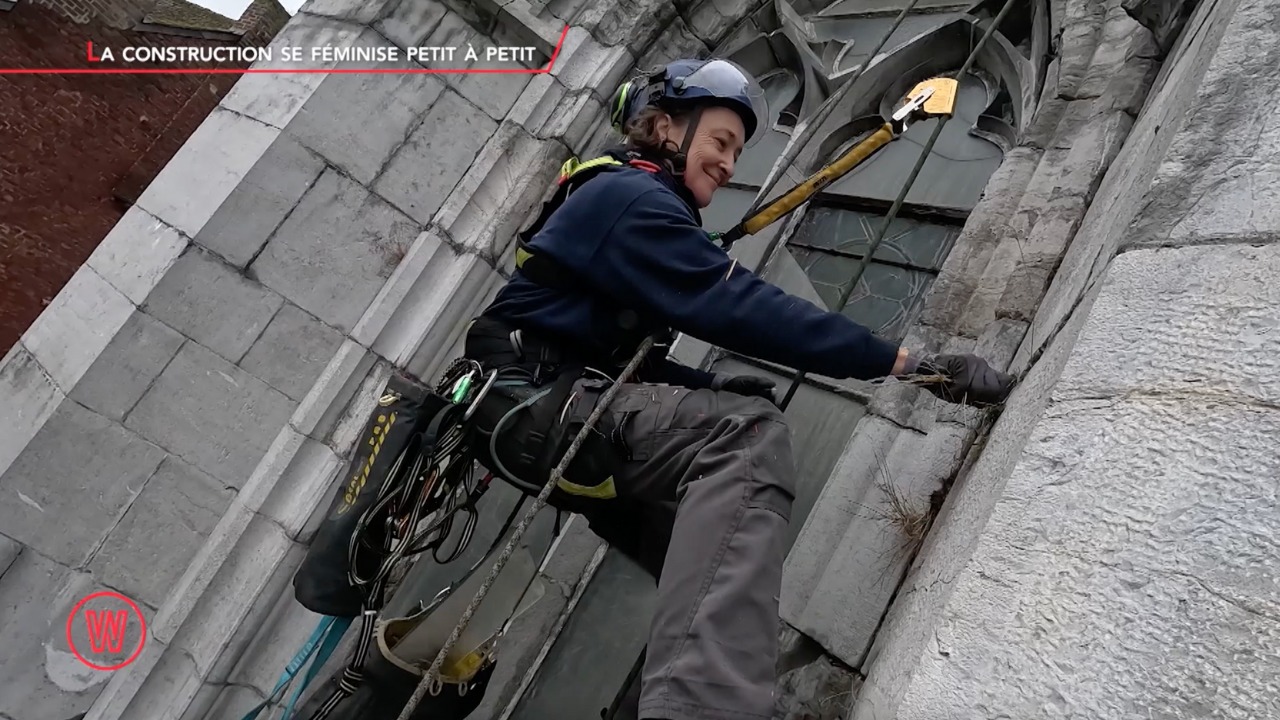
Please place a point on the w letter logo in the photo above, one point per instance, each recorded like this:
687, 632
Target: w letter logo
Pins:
106, 631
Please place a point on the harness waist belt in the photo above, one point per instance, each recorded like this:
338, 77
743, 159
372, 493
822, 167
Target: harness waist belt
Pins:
496, 344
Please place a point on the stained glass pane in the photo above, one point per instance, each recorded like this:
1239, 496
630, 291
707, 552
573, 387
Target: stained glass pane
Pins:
885, 298
909, 241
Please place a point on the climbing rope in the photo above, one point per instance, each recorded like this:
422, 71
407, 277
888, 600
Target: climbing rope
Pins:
845, 293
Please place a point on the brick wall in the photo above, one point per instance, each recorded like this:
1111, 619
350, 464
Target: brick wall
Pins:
73, 145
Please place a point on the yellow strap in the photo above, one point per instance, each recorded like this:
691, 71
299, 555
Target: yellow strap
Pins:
604, 491
572, 166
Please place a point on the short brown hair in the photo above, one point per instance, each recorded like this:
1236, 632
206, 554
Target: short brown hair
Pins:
642, 132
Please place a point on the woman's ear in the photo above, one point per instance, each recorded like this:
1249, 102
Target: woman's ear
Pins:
662, 127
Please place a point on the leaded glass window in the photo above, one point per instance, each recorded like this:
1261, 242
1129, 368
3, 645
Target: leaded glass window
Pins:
831, 245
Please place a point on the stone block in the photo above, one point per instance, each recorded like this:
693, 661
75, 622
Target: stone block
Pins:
357, 121
493, 93
335, 250
1081, 33
571, 553
584, 64
127, 366
1116, 36
710, 20
547, 110
75, 328
80, 471
633, 25
409, 22
292, 351
522, 646
508, 180
213, 304
388, 314
459, 291
271, 188
355, 12
211, 414
32, 397
347, 370
151, 546
137, 253
1221, 189
305, 487
676, 41
523, 24
40, 675
845, 566
9, 550
283, 626
1127, 89
425, 169
1111, 544
968, 269
257, 556
209, 167
1185, 320
274, 99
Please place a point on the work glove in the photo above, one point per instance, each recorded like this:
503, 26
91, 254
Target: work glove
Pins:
970, 380
751, 385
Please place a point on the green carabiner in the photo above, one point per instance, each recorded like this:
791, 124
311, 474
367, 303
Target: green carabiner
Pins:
461, 388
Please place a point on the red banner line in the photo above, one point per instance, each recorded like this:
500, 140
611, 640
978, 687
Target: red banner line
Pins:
290, 71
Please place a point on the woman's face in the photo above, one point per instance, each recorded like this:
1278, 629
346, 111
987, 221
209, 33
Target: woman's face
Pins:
717, 143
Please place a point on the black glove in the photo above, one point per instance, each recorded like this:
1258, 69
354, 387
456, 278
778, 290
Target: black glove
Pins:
751, 385
971, 380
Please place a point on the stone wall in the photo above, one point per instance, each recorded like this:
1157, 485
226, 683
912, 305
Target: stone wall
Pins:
843, 573
184, 404
1111, 551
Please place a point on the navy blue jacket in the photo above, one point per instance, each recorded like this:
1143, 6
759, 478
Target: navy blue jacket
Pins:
634, 237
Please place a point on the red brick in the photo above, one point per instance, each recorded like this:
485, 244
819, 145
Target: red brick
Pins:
73, 145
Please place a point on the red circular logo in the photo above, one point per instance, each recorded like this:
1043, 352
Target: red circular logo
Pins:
105, 621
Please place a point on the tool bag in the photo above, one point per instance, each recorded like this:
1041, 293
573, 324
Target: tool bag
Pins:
409, 463
392, 436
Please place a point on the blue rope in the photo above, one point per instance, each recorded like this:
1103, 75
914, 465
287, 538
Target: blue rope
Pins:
325, 638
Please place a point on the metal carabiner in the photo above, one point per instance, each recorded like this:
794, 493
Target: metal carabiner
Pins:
471, 410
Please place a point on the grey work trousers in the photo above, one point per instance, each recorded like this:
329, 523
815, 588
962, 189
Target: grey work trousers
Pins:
703, 499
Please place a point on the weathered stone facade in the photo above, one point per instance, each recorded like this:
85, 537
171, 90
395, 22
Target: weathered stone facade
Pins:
1101, 546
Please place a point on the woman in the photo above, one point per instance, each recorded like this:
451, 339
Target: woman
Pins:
691, 472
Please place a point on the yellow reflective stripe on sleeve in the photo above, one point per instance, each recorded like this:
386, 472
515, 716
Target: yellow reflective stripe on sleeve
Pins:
521, 256
604, 491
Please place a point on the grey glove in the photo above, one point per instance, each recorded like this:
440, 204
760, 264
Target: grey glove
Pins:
970, 380
751, 385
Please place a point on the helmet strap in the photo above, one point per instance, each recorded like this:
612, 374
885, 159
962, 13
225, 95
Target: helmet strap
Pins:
681, 155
